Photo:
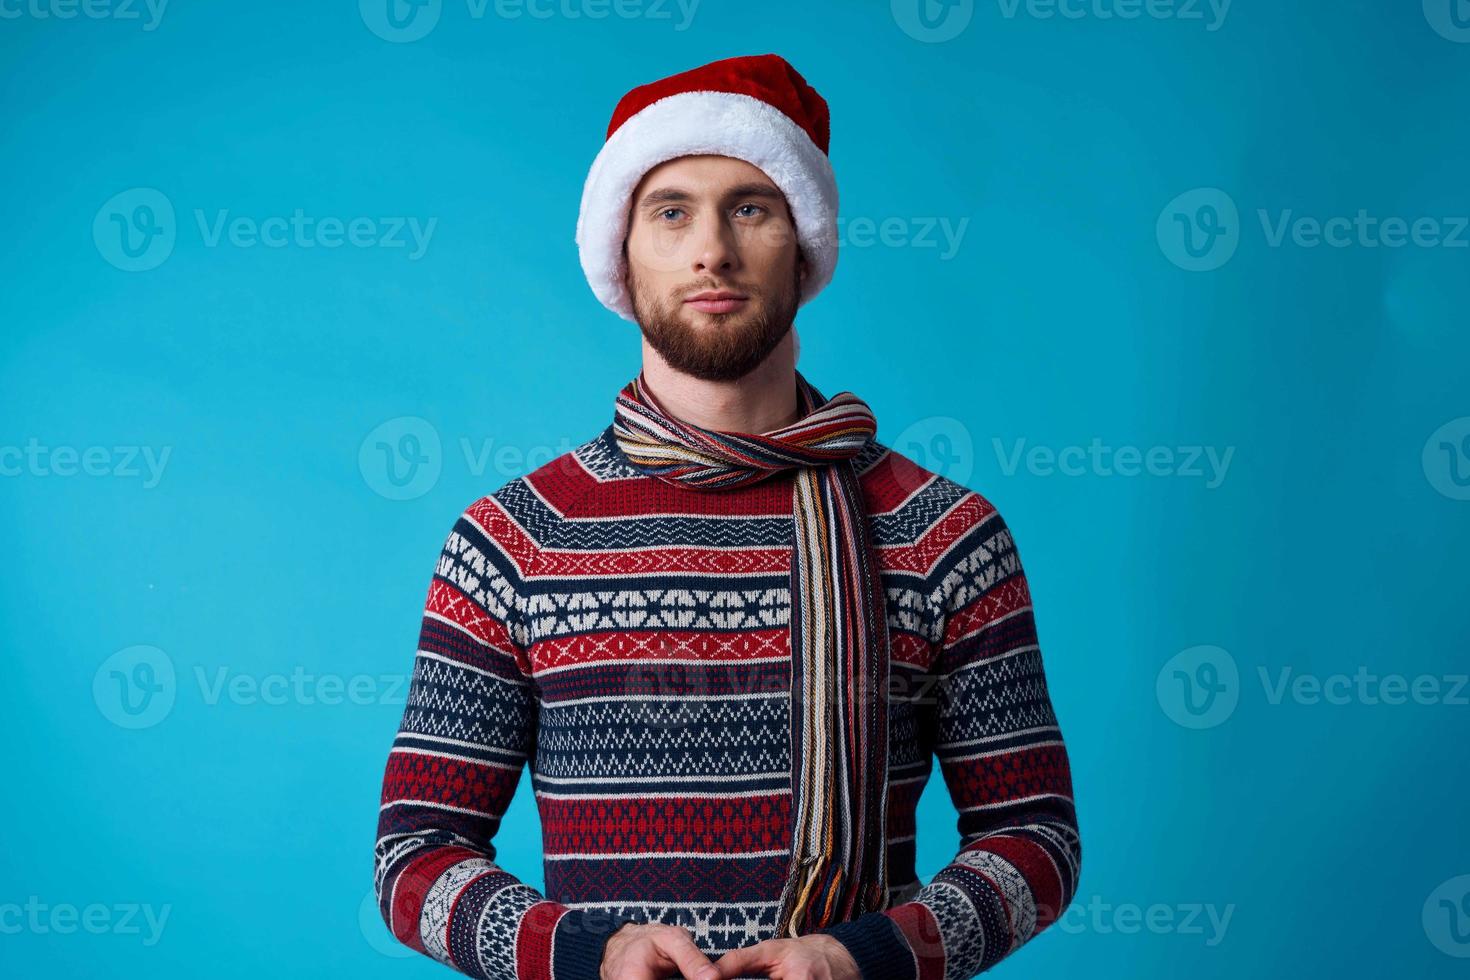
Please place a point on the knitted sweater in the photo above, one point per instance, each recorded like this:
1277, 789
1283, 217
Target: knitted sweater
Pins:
628, 640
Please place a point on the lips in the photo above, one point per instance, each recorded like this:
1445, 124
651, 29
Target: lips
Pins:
717, 301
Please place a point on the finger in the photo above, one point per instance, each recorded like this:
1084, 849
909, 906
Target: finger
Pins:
748, 960
679, 946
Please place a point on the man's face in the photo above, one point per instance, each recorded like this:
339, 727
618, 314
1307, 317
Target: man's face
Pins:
712, 224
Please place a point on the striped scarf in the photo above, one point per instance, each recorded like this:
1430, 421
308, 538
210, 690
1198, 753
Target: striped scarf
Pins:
839, 633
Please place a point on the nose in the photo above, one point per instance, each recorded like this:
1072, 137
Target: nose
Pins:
717, 254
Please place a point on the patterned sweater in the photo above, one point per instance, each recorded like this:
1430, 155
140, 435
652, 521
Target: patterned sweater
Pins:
628, 640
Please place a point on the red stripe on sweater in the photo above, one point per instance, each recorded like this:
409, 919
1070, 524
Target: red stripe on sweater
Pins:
412, 887
503, 532
892, 480
568, 487
622, 644
1003, 599
721, 563
684, 822
714, 648
447, 601
1004, 776
1033, 861
921, 930
420, 778
908, 648
939, 537
534, 939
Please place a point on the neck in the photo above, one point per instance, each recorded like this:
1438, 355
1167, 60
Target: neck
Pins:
763, 400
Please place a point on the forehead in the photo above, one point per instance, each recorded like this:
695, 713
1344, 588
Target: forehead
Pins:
703, 174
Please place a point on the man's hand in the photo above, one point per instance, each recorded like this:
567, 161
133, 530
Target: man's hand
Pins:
812, 957
651, 951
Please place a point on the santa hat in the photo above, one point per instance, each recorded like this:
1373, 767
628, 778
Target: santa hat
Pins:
755, 108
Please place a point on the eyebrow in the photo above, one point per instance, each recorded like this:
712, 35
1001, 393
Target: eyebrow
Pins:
665, 195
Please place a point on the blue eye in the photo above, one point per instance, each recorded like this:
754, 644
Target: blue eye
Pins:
669, 211
744, 206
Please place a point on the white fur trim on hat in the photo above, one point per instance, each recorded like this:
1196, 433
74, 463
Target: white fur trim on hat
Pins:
723, 123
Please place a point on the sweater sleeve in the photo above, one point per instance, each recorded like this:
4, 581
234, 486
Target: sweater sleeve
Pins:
1004, 763
468, 728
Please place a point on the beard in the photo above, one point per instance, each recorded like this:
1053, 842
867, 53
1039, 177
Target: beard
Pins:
730, 345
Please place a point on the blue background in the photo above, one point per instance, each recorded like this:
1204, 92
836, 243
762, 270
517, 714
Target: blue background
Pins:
271, 544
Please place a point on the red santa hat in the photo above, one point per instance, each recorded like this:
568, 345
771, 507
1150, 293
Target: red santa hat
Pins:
755, 108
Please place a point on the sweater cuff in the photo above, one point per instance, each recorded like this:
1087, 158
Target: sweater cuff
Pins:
878, 946
580, 937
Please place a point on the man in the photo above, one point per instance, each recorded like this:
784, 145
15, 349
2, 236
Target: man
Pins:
730, 633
